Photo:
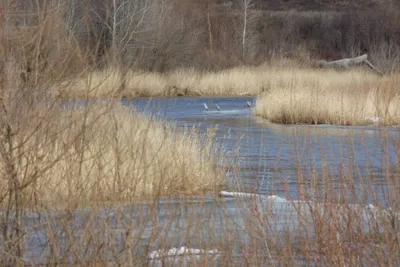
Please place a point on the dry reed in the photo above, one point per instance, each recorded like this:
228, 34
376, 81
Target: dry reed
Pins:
230, 82
105, 152
328, 97
100, 155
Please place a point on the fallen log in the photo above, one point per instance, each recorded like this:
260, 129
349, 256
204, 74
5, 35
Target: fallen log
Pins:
347, 63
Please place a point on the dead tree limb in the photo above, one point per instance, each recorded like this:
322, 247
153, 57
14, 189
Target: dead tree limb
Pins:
369, 64
347, 63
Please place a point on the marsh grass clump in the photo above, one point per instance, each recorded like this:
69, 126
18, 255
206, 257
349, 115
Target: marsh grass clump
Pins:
106, 152
110, 82
329, 97
303, 84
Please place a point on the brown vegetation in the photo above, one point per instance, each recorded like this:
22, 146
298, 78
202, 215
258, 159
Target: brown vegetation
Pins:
163, 36
181, 82
322, 5
54, 156
309, 96
100, 155
104, 152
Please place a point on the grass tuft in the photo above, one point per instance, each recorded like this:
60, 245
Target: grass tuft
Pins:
106, 152
308, 96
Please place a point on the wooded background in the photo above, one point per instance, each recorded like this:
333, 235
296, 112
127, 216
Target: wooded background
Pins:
160, 35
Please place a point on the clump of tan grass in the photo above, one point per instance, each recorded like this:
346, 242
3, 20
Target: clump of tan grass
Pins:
324, 96
94, 85
106, 83
271, 77
231, 82
105, 152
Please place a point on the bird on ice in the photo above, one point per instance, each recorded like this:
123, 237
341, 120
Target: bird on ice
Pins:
205, 106
217, 107
248, 104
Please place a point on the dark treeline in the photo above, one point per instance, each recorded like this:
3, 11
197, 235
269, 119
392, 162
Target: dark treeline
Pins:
320, 5
160, 35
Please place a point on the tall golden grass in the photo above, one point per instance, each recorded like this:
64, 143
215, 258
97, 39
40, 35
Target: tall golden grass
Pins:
107, 152
309, 96
231, 82
268, 78
103, 154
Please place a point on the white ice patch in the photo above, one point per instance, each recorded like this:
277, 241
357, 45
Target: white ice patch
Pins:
374, 120
236, 194
220, 112
179, 252
244, 194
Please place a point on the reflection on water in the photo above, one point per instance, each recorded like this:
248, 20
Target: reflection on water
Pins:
270, 156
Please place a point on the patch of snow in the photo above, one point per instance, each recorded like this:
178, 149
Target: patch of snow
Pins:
374, 120
244, 194
236, 194
273, 197
179, 252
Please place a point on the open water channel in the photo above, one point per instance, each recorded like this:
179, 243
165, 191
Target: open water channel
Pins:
268, 159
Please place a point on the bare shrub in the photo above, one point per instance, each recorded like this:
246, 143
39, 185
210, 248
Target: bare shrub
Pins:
85, 184
111, 154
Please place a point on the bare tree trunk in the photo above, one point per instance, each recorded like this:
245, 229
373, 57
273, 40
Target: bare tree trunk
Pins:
114, 32
210, 39
246, 4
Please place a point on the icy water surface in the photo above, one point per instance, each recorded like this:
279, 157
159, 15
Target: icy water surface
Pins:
272, 156
268, 159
